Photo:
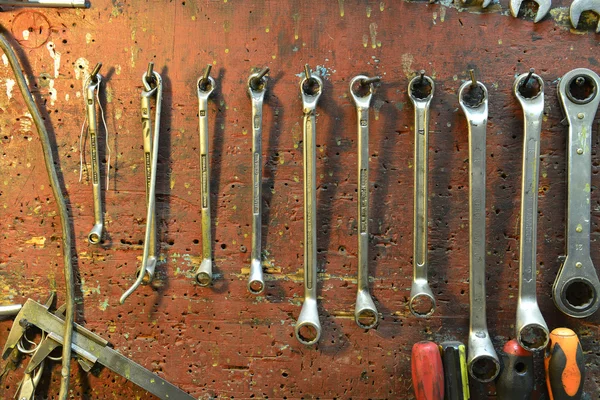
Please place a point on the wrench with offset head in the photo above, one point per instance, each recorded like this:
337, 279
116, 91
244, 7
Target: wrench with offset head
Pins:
483, 363
531, 329
308, 327
420, 91
576, 288
365, 312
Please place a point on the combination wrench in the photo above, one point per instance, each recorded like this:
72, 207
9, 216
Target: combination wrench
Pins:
365, 312
206, 85
576, 288
420, 91
308, 327
482, 361
153, 87
531, 329
257, 86
94, 81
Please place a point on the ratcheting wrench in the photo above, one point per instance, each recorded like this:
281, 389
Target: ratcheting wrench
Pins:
483, 363
257, 86
308, 327
365, 312
206, 85
152, 82
531, 329
94, 82
420, 91
579, 6
576, 288
543, 8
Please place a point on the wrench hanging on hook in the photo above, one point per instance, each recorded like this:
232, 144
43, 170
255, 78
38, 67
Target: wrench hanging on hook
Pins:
152, 82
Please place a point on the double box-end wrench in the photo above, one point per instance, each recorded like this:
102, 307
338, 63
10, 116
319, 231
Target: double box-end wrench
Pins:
308, 327
94, 81
153, 87
576, 287
531, 329
482, 360
420, 91
206, 85
365, 312
257, 86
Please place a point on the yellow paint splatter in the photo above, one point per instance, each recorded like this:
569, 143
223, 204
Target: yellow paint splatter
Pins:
369, 11
37, 241
373, 32
267, 29
381, 6
442, 13
341, 4
365, 40
296, 18
226, 51
499, 41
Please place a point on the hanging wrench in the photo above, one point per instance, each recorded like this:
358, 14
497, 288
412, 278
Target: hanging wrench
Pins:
576, 287
46, 3
531, 329
257, 86
482, 360
543, 8
365, 313
206, 85
308, 327
94, 82
420, 91
152, 82
579, 6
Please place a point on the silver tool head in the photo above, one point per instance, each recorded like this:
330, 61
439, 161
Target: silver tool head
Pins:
543, 8
579, 6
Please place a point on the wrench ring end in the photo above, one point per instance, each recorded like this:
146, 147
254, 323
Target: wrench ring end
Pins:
422, 305
256, 286
533, 337
307, 332
578, 298
203, 278
95, 235
366, 318
484, 368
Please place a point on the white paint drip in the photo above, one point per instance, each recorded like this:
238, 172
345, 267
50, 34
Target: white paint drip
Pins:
10, 84
55, 55
4, 59
26, 34
53, 92
82, 69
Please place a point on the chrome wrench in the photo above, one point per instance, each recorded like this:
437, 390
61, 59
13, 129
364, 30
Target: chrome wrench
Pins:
365, 312
94, 82
308, 327
206, 85
257, 86
575, 290
531, 329
152, 82
420, 91
482, 361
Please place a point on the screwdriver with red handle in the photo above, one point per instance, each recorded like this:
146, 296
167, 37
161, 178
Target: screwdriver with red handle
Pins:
565, 366
427, 371
515, 382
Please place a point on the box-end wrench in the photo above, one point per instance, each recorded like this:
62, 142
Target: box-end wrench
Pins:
153, 87
420, 91
257, 86
365, 312
531, 329
482, 360
308, 327
576, 288
93, 86
206, 85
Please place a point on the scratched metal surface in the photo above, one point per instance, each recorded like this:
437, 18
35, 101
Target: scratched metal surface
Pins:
221, 341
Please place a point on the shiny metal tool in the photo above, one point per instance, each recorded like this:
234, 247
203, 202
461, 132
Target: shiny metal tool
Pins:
543, 8
580, 6
531, 329
93, 86
206, 85
153, 87
308, 327
420, 92
90, 348
482, 360
46, 3
365, 312
257, 86
576, 288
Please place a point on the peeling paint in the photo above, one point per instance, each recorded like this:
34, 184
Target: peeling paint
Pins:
37, 241
55, 56
407, 61
341, 5
10, 84
373, 33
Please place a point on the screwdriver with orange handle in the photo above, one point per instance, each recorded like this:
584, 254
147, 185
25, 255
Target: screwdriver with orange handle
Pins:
565, 367
427, 371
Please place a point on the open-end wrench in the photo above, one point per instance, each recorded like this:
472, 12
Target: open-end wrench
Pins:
257, 86
308, 327
94, 82
579, 6
543, 8
482, 360
576, 288
206, 85
365, 312
420, 91
152, 82
531, 329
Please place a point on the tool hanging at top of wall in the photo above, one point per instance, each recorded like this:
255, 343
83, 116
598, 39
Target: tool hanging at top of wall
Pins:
580, 6
46, 3
153, 87
543, 8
